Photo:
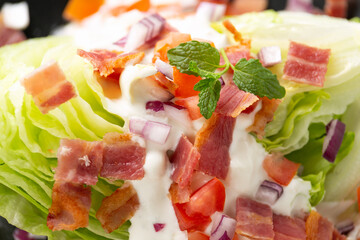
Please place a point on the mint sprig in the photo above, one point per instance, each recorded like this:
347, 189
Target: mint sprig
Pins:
201, 59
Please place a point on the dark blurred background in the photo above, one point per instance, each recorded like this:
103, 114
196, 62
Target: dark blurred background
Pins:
45, 15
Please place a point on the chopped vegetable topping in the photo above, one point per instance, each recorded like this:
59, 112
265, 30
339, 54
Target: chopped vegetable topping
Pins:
77, 10
280, 169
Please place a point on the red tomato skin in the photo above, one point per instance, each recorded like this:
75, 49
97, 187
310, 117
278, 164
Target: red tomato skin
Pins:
280, 169
208, 199
197, 236
191, 104
190, 223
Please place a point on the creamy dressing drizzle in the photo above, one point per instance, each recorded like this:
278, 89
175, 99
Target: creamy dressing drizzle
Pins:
246, 172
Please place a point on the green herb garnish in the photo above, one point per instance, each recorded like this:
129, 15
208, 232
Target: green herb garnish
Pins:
201, 59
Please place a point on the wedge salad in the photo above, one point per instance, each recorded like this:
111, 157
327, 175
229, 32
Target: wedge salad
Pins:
175, 122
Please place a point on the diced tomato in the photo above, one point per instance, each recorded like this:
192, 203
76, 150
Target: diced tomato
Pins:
197, 236
79, 9
191, 104
235, 237
186, 222
185, 84
173, 39
141, 5
208, 199
280, 169
358, 196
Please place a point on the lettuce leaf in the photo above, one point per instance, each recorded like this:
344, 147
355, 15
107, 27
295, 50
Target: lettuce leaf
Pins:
29, 139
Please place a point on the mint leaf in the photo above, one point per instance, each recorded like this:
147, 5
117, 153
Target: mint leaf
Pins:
193, 67
203, 54
209, 96
250, 76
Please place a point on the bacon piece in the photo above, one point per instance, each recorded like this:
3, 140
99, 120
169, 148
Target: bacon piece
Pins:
185, 159
254, 220
48, 86
108, 62
179, 194
165, 82
235, 53
122, 158
337, 235
317, 227
233, 100
336, 8
237, 35
117, 208
10, 36
287, 228
79, 161
306, 64
213, 142
70, 206
264, 116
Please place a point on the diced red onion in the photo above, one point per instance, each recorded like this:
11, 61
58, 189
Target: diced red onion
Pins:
222, 81
345, 227
19, 234
136, 125
211, 11
177, 113
156, 132
300, 6
164, 68
333, 139
144, 31
174, 105
158, 226
270, 56
121, 42
269, 192
155, 106
223, 227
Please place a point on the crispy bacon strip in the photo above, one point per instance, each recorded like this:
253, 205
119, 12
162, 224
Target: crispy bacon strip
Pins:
287, 228
185, 159
254, 220
108, 62
264, 116
117, 208
48, 86
318, 228
306, 64
179, 194
336, 8
213, 142
233, 101
122, 158
235, 53
237, 35
70, 206
79, 161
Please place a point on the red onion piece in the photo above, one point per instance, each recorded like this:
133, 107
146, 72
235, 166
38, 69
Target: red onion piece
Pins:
177, 114
155, 106
174, 105
164, 68
211, 11
121, 42
144, 31
136, 125
270, 56
156, 132
19, 234
223, 227
300, 6
345, 227
332, 142
269, 192
158, 226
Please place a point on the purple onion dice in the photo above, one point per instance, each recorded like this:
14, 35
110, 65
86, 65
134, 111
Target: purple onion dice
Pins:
223, 227
156, 132
164, 68
333, 139
136, 125
210, 11
270, 56
269, 192
155, 106
159, 226
345, 227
